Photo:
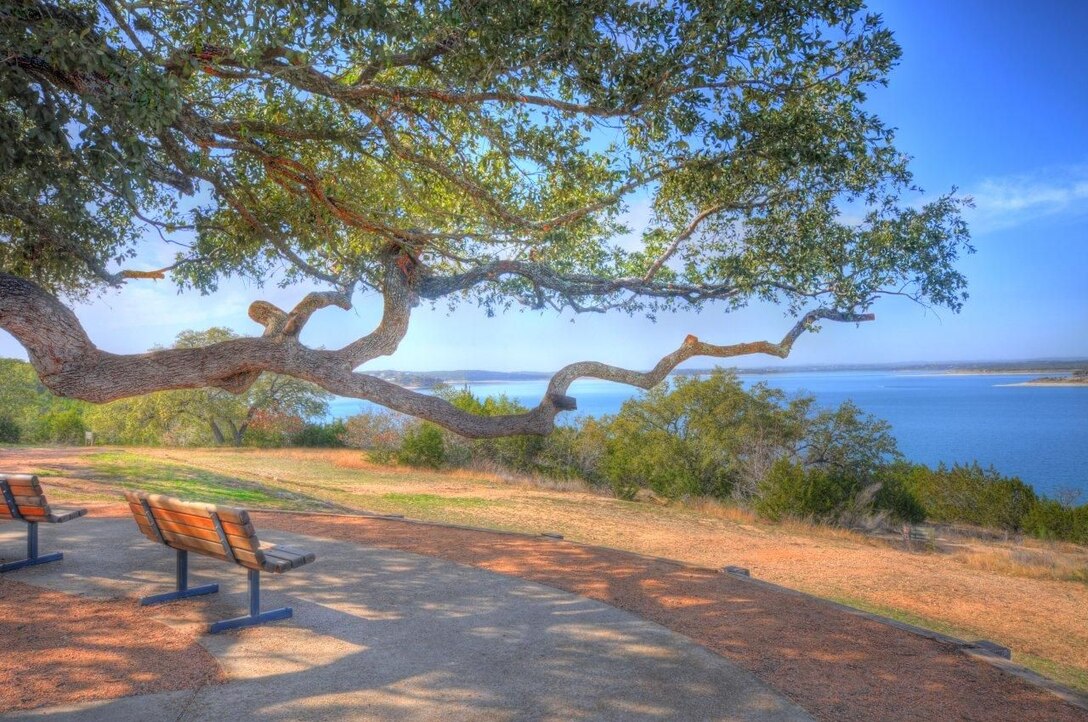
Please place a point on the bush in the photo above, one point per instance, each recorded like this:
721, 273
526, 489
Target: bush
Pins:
970, 494
9, 431
60, 427
376, 430
574, 452
1050, 519
272, 429
894, 498
518, 453
423, 445
701, 437
329, 435
822, 494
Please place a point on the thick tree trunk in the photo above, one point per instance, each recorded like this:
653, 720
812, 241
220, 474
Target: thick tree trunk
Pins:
217, 433
235, 433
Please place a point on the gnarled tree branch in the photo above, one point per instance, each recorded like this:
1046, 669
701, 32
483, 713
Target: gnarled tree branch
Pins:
69, 363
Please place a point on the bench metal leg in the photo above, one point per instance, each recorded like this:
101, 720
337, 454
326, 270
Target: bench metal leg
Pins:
32, 556
255, 616
183, 591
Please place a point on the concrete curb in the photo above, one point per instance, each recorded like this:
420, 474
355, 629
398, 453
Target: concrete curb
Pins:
981, 650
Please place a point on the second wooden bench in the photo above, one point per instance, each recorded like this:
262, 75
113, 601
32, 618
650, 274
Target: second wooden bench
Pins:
220, 532
23, 500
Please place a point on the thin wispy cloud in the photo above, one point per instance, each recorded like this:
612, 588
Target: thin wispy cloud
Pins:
1002, 203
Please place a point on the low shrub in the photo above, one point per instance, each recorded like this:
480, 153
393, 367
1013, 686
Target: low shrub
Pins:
970, 494
329, 435
374, 430
821, 494
895, 499
60, 427
10, 433
423, 445
517, 453
1050, 519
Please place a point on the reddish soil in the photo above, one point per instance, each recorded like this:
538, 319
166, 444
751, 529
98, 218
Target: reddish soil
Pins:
65, 649
836, 665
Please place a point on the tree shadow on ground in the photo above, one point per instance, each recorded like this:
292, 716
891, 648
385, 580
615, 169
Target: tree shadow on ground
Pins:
381, 634
837, 665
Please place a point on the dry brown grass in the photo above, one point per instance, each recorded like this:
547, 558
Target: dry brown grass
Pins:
1019, 595
1056, 564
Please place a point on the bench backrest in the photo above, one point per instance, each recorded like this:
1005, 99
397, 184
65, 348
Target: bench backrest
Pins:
223, 532
22, 498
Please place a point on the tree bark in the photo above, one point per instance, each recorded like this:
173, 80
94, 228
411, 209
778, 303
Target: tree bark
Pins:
217, 433
69, 364
235, 433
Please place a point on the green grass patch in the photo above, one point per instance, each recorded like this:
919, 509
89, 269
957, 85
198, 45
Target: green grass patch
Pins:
433, 502
1066, 674
129, 471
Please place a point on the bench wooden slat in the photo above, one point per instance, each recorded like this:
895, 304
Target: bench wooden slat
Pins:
281, 559
21, 479
192, 520
25, 489
196, 544
226, 513
276, 554
18, 490
198, 532
201, 546
58, 516
26, 492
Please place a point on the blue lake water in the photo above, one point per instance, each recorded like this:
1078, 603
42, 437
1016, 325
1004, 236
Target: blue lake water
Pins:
1037, 433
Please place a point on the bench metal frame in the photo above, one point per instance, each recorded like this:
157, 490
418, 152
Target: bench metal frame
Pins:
184, 591
32, 556
255, 616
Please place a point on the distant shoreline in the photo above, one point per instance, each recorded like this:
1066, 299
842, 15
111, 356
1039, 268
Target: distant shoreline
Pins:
429, 379
1065, 384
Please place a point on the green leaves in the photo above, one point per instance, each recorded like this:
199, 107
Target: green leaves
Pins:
317, 136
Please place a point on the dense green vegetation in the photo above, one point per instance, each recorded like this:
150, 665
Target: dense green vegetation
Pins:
711, 437
275, 411
482, 152
29, 413
691, 437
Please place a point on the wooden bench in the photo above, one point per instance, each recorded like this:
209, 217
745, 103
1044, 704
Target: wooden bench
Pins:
220, 532
25, 501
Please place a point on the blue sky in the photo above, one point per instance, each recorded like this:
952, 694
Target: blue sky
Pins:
990, 97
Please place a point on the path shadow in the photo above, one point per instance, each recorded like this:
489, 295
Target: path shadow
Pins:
387, 635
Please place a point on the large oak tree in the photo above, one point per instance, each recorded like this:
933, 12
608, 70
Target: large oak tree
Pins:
450, 151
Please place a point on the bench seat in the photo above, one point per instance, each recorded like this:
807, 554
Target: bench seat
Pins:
59, 516
279, 558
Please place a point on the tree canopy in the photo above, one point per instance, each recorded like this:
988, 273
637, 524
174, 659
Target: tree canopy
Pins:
475, 151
